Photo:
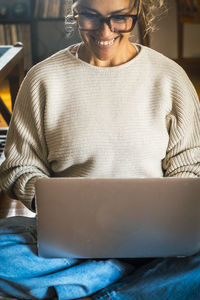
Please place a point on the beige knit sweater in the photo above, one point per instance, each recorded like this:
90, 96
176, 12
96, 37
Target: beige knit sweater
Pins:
139, 119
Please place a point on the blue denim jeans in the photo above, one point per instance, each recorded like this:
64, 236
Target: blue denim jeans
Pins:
24, 275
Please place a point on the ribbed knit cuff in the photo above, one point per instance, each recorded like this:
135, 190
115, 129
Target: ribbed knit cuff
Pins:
184, 175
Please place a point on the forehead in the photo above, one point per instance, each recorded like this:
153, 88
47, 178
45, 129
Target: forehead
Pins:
106, 6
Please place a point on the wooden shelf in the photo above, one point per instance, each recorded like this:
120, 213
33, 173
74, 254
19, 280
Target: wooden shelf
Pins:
48, 19
15, 21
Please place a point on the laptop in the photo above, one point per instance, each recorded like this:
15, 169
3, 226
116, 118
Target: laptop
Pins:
118, 218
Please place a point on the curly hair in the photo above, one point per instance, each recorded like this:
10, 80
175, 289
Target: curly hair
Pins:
150, 11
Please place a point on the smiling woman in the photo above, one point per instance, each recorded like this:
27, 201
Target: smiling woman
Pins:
105, 108
105, 28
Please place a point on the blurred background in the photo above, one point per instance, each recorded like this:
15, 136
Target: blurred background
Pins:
164, 40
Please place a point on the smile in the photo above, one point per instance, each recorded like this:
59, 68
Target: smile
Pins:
105, 43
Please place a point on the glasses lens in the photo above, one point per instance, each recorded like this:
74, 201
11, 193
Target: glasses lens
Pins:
88, 22
121, 23
117, 23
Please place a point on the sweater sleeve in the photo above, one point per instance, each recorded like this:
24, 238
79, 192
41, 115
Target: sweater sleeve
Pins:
26, 150
183, 122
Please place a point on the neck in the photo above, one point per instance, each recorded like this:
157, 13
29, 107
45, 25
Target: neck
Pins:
125, 55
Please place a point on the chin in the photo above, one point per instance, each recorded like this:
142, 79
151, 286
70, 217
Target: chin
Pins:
104, 53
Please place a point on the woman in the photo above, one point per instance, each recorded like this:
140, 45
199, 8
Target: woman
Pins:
102, 108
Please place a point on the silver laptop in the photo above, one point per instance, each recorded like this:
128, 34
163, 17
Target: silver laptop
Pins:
122, 218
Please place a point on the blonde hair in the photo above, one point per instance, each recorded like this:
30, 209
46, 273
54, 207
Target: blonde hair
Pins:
150, 11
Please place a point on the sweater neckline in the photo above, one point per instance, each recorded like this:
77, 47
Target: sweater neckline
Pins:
104, 69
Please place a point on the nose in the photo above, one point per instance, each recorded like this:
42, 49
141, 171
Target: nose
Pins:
104, 30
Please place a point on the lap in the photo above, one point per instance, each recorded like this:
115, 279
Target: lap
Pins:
24, 273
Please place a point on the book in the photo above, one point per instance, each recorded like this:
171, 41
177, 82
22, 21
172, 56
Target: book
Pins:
49, 9
57, 8
63, 8
54, 9
54, 13
41, 9
14, 37
50, 13
45, 10
24, 36
2, 35
36, 9
7, 34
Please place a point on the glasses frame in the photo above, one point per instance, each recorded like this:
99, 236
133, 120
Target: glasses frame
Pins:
106, 20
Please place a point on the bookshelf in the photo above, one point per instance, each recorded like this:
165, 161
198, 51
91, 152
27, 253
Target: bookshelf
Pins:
19, 21
49, 9
11, 33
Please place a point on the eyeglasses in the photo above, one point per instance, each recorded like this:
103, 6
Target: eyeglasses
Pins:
116, 23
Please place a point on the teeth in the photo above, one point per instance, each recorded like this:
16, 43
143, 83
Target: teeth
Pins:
105, 43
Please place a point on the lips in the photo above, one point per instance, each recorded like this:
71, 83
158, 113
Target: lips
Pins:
103, 43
